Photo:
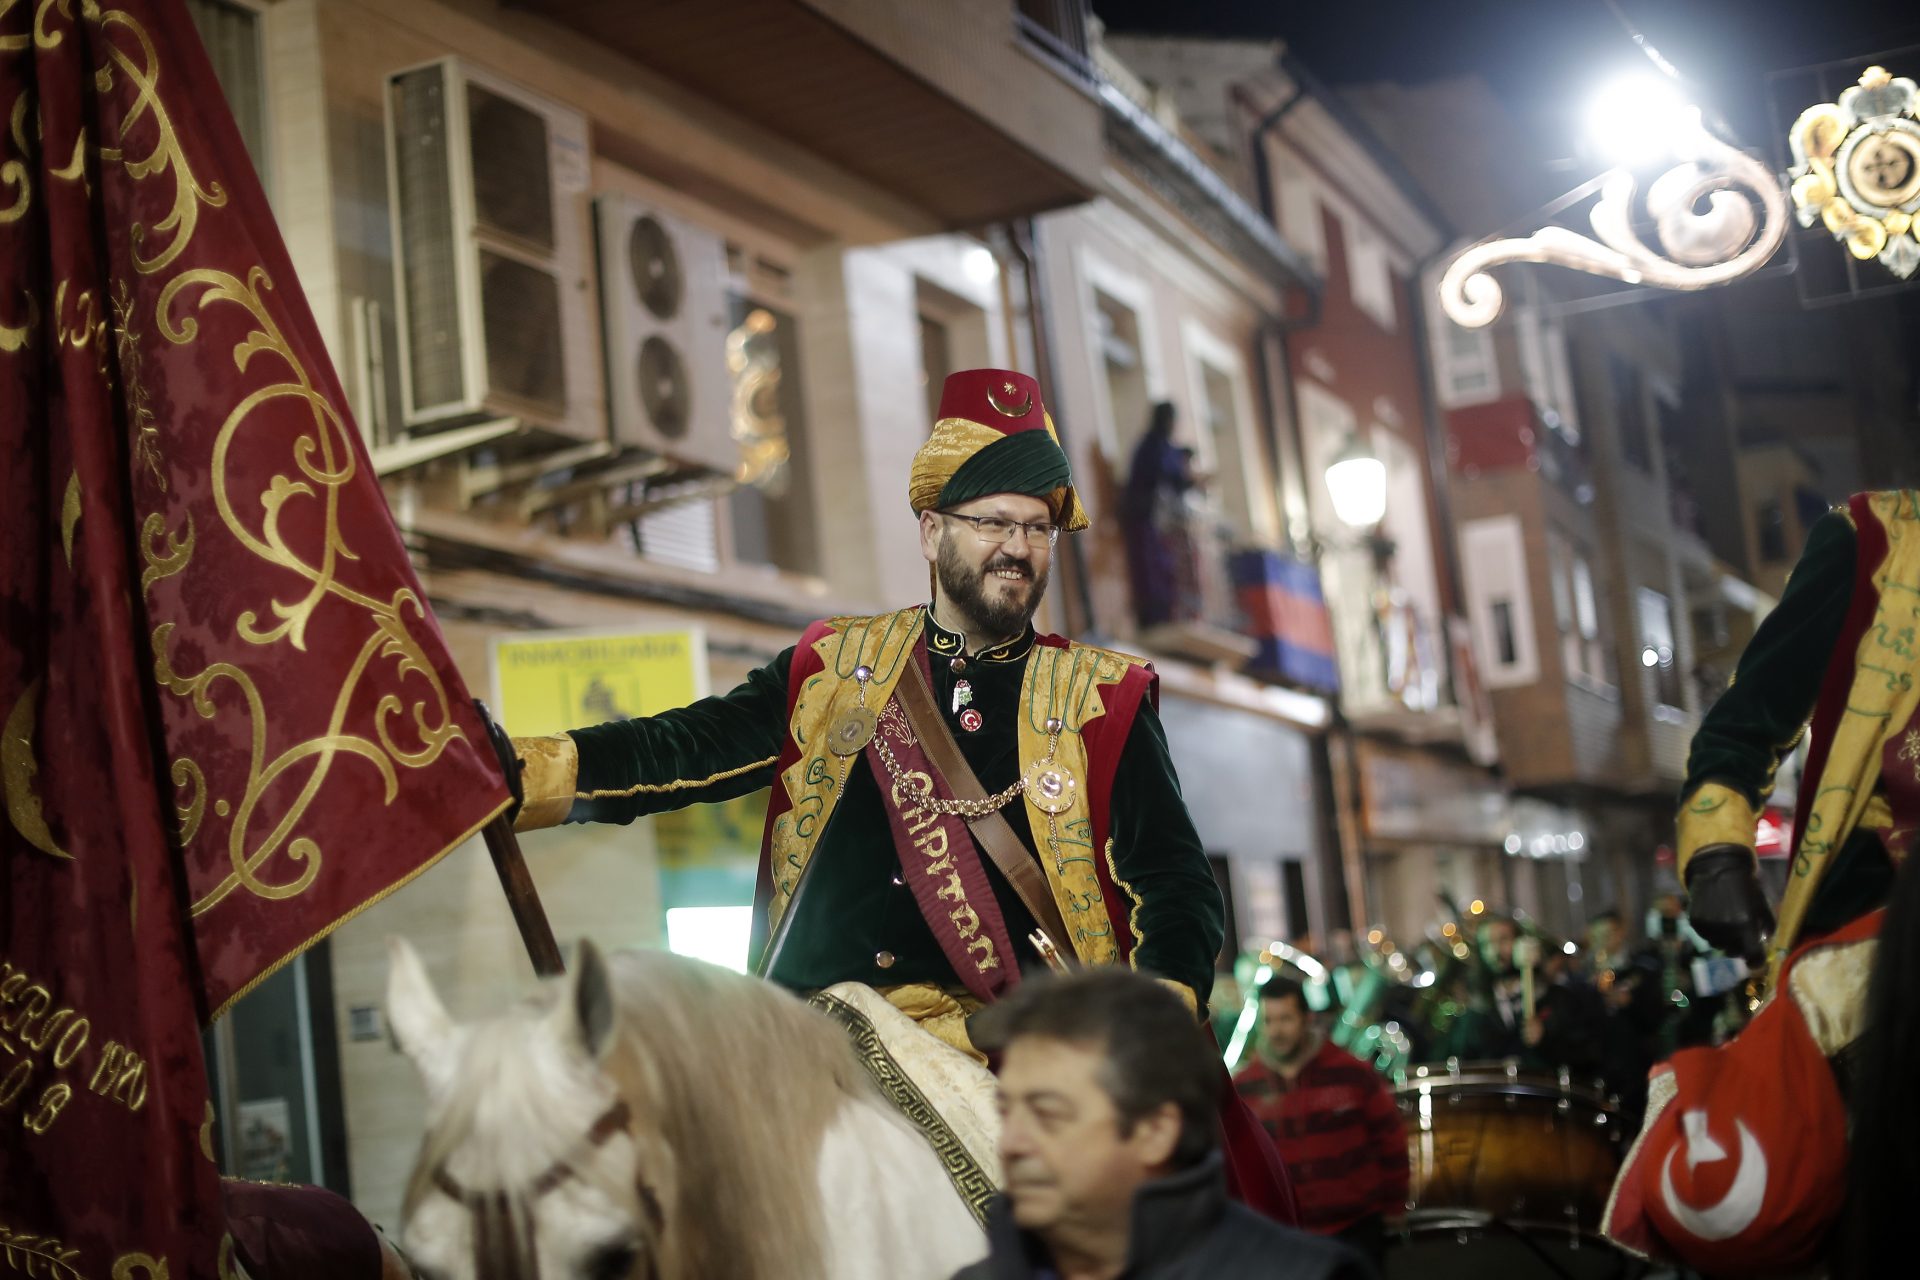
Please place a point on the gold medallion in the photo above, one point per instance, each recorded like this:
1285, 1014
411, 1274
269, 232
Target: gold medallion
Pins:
852, 731
1050, 786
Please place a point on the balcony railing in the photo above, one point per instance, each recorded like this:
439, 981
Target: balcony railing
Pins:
1200, 594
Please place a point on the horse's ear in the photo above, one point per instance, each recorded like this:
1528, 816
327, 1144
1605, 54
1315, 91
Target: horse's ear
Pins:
421, 1025
584, 1016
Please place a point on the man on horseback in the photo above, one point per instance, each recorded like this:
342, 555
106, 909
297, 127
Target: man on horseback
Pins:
953, 793
1063, 739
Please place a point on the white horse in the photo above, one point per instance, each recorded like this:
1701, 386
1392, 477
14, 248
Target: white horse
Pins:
655, 1117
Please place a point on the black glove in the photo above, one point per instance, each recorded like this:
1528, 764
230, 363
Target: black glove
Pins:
1725, 902
510, 762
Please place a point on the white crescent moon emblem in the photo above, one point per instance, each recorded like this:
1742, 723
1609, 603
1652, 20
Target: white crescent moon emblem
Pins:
1740, 1206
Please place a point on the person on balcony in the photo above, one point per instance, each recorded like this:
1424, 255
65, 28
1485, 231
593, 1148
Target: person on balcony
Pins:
1156, 517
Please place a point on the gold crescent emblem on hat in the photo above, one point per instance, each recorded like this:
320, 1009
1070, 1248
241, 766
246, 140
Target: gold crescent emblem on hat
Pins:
1002, 401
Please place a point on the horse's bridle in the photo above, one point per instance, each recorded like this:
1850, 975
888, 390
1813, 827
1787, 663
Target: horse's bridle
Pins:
499, 1251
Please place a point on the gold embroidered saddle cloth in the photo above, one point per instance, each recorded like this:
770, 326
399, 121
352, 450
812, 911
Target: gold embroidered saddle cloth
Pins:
945, 1091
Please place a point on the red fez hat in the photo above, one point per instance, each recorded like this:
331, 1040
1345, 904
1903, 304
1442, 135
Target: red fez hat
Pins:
999, 398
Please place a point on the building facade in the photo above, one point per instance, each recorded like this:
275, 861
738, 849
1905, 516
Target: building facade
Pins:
1585, 566
1418, 814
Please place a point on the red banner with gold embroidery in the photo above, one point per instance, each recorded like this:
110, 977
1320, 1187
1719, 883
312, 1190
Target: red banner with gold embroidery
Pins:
227, 720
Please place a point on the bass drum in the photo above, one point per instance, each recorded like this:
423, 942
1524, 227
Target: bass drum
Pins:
1509, 1175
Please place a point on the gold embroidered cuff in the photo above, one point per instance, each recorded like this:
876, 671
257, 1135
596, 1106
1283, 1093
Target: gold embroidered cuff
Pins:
1185, 992
552, 768
1714, 814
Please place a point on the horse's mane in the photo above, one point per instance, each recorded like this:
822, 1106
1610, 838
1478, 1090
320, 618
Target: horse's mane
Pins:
736, 1077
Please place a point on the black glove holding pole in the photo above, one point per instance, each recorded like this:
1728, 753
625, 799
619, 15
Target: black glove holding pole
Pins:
1725, 903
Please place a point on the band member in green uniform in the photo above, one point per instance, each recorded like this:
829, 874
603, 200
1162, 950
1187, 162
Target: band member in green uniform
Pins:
870, 870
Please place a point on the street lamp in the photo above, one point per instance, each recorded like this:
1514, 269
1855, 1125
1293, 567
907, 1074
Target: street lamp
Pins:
1717, 213
1357, 480
1639, 119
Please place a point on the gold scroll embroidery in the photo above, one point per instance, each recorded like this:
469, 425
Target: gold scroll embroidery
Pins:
139, 1266
167, 156
70, 516
814, 781
1877, 709
19, 337
1065, 684
18, 766
35, 1254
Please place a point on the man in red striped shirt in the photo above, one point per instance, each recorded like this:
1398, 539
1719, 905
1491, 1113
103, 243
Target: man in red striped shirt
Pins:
1334, 1120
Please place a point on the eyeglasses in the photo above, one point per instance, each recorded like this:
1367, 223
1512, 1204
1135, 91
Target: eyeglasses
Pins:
995, 529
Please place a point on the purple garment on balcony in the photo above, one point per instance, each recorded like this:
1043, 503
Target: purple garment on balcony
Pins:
1153, 513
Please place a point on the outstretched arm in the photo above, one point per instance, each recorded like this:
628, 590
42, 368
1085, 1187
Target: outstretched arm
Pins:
715, 749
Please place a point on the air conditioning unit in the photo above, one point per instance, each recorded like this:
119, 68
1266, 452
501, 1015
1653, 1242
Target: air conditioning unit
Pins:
491, 256
664, 317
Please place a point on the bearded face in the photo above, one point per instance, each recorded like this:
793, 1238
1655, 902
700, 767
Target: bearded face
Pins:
995, 587
999, 594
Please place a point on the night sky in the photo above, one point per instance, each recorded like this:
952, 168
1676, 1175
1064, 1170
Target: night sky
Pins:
1547, 60
1547, 57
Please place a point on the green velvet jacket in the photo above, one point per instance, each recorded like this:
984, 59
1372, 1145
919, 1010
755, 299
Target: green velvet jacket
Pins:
856, 920
1760, 718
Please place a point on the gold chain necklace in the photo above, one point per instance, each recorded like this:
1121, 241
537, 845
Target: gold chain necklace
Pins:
1054, 784
922, 790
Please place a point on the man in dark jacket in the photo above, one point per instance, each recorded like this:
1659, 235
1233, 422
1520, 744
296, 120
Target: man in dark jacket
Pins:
1111, 1154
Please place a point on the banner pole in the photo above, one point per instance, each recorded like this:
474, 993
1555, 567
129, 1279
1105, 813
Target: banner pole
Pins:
523, 899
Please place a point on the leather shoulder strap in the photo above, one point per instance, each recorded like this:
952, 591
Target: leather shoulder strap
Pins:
991, 831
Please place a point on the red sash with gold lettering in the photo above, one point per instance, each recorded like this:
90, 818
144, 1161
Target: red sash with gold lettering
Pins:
938, 858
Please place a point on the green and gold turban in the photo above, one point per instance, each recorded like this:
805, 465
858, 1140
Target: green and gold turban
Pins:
994, 436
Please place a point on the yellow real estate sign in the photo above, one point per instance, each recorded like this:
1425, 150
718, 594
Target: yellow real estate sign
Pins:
549, 682
553, 681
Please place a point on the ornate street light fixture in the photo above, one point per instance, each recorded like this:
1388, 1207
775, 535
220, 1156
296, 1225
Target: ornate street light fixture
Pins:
1702, 207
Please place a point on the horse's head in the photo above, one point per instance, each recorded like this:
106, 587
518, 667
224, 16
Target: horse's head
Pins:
531, 1168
